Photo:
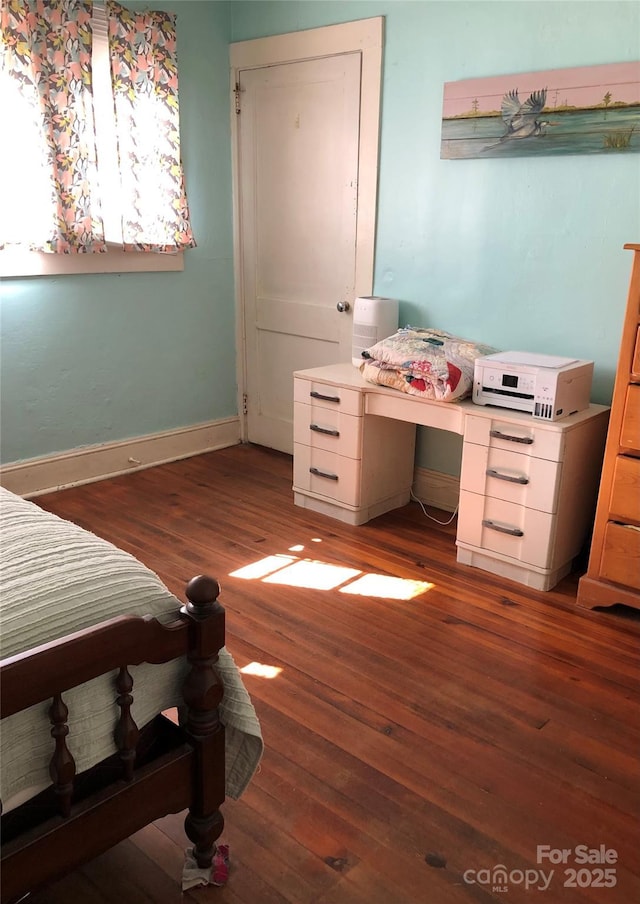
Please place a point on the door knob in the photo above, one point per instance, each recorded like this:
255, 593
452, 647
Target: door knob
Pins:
343, 306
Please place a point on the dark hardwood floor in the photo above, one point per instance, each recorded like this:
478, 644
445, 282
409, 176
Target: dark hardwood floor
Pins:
412, 744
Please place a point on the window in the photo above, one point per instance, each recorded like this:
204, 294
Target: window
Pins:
90, 90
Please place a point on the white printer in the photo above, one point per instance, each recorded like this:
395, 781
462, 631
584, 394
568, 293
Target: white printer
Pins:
546, 386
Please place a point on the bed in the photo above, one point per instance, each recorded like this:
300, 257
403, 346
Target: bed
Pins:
95, 652
424, 362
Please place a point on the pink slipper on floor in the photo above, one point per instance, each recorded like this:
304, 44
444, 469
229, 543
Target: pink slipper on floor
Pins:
220, 865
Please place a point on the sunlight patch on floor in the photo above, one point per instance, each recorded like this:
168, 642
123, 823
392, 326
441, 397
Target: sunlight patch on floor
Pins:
312, 574
260, 670
294, 571
387, 587
262, 567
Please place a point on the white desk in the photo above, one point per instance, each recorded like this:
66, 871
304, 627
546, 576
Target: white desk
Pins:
527, 487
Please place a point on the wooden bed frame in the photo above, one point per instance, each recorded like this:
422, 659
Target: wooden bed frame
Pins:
162, 769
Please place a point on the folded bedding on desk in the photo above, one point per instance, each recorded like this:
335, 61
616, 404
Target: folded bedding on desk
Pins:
57, 578
424, 362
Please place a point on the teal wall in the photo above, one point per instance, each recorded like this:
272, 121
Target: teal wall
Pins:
521, 253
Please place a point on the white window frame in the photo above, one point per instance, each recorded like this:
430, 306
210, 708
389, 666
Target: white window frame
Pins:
20, 262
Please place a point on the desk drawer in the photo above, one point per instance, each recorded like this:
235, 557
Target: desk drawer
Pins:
324, 395
512, 530
511, 476
327, 428
525, 438
327, 474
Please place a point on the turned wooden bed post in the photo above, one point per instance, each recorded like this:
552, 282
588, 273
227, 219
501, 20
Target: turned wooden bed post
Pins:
202, 694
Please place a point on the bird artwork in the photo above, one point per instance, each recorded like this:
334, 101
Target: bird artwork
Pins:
521, 119
584, 110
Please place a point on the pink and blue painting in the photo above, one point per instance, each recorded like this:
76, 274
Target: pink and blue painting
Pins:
585, 110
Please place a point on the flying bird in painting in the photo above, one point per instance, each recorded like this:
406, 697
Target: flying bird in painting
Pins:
521, 119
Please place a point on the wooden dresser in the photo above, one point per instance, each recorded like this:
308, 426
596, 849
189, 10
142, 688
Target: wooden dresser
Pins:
613, 575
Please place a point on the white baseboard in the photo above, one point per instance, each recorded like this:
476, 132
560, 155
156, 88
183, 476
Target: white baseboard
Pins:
36, 476
437, 489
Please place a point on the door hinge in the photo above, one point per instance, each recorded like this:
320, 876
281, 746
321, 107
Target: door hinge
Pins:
236, 94
245, 403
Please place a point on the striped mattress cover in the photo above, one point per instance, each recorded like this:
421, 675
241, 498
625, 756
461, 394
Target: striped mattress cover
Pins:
75, 579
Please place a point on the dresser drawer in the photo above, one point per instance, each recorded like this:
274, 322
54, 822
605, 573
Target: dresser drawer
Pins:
635, 361
511, 476
620, 561
324, 395
333, 476
625, 491
630, 433
506, 528
327, 428
527, 439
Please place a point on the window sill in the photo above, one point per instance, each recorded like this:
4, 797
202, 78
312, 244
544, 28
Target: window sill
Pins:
35, 263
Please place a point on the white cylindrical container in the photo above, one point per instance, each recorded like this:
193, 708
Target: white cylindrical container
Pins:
374, 318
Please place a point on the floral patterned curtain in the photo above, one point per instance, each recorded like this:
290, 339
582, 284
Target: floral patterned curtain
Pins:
47, 98
46, 86
145, 87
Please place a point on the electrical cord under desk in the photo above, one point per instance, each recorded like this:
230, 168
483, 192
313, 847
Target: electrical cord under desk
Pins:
426, 513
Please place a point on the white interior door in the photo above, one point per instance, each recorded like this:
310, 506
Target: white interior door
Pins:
299, 158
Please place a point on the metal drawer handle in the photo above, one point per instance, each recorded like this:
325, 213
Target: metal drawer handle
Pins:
318, 429
497, 434
512, 531
318, 473
325, 398
491, 472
